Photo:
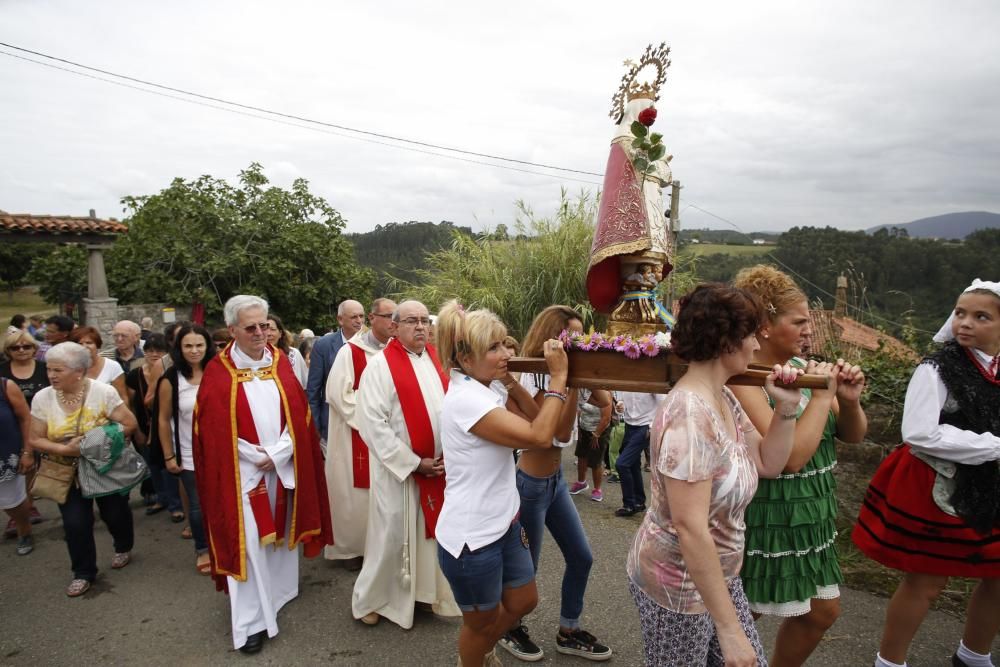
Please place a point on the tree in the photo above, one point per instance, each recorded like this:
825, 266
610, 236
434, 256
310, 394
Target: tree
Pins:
16, 260
61, 275
206, 240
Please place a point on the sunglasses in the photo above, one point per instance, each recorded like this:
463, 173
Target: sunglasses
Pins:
263, 326
20, 348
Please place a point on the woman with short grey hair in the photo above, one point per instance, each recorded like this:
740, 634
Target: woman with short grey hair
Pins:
60, 415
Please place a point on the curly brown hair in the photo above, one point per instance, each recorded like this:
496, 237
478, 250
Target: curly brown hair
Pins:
714, 319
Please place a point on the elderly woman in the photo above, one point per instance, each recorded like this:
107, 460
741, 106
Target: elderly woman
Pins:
60, 415
791, 568
101, 369
28, 374
481, 545
685, 560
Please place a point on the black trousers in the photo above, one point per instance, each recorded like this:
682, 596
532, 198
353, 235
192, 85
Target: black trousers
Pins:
78, 524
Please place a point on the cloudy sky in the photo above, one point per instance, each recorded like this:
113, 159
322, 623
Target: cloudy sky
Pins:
850, 113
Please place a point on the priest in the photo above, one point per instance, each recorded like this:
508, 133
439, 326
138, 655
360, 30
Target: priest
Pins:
259, 478
398, 403
347, 473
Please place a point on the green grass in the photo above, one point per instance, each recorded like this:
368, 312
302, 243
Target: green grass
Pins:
720, 248
25, 301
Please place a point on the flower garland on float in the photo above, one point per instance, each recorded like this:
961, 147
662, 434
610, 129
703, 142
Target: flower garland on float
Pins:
649, 345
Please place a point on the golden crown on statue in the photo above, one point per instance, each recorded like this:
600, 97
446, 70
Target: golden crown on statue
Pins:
630, 89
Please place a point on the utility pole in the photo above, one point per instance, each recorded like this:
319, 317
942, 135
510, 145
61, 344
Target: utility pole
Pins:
674, 229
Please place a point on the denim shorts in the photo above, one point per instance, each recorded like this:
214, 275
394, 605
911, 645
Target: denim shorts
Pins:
477, 578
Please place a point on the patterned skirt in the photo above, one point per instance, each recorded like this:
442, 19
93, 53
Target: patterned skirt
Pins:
902, 527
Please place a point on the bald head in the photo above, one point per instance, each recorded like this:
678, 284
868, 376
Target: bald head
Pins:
126, 334
350, 317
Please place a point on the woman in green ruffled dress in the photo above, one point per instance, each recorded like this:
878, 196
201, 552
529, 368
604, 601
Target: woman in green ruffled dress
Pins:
790, 564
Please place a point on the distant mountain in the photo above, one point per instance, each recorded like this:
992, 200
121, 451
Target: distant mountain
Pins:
947, 226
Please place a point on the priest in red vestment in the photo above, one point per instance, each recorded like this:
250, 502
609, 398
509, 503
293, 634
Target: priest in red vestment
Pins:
260, 474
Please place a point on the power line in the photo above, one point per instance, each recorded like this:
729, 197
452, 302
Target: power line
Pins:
311, 128
281, 114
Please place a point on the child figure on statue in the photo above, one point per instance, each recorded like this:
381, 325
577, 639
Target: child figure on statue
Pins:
933, 507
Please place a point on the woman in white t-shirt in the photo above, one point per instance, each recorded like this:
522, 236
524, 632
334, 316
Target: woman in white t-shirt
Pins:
176, 394
482, 548
101, 369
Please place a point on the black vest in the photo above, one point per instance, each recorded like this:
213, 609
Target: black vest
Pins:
976, 408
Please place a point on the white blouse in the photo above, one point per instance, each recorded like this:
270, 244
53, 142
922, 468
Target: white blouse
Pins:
925, 397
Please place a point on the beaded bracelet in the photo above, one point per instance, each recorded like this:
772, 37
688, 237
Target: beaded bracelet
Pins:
556, 394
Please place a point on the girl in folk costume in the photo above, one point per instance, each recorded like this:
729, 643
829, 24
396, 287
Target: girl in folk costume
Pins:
933, 507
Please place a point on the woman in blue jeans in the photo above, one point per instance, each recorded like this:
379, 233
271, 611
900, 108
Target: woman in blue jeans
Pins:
176, 395
545, 502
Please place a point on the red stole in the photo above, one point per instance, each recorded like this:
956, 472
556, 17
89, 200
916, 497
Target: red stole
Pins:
418, 425
270, 525
359, 450
221, 415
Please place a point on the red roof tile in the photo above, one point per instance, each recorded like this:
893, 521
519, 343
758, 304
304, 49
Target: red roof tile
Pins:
58, 224
845, 335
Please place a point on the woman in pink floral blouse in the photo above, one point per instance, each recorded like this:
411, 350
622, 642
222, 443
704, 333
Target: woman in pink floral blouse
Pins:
685, 560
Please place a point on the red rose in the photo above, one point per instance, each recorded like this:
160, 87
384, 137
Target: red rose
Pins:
647, 116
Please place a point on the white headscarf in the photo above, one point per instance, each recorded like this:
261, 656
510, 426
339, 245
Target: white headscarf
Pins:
946, 334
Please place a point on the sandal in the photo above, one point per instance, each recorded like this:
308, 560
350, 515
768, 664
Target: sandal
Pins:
177, 517
186, 534
203, 567
77, 587
120, 560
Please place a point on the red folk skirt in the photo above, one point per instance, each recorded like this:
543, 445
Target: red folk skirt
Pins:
902, 527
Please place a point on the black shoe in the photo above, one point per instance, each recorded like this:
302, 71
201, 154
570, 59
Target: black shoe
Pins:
640, 508
583, 644
519, 644
625, 511
255, 643
957, 662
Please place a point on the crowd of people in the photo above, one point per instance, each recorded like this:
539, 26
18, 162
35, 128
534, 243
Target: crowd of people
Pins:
409, 452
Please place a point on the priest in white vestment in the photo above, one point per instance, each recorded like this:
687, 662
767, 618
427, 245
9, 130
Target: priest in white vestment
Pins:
398, 403
257, 454
347, 456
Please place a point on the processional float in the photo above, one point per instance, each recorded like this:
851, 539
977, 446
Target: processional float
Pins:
632, 253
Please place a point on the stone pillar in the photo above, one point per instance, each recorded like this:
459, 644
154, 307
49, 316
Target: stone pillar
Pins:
97, 281
840, 298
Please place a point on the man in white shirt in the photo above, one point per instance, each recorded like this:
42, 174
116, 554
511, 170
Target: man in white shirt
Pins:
639, 412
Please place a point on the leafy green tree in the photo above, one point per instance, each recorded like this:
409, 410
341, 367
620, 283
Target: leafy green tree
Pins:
206, 240
16, 260
61, 274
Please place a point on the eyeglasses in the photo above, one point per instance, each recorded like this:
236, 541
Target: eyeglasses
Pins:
414, 321
219, 344
385, 315
263, 326
20, 348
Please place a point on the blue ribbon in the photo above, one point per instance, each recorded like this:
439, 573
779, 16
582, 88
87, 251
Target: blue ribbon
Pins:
661, 310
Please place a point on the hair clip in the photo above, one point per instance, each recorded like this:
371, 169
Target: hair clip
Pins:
771, 309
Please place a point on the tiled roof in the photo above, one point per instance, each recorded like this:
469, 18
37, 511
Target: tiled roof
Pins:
58, 224
847, 336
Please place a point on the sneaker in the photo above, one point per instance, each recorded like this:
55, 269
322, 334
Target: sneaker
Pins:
35, 515
25, 545
614, 479
597, 496
11, 529
583, 644
519, 644
577, 487
625, 511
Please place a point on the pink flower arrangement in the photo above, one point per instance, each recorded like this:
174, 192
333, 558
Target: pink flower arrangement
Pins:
649, 345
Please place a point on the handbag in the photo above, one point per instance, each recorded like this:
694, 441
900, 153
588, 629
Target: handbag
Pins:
54, 478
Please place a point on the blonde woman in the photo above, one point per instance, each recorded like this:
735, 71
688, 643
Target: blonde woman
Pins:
482, 547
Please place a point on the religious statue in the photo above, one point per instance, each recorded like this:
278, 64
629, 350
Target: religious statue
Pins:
632, 247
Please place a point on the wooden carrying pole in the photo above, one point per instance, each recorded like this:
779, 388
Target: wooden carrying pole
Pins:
656, 375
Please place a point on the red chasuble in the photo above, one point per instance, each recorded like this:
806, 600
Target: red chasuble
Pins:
222, 414
418, 425
359, 450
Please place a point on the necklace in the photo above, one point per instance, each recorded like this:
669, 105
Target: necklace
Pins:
69, 400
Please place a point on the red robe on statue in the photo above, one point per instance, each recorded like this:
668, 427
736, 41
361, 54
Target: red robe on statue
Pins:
221, 415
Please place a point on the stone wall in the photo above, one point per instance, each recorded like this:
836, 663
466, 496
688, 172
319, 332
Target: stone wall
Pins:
104, 313
136, 312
